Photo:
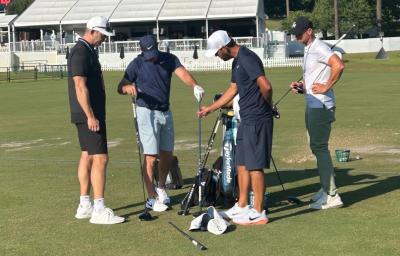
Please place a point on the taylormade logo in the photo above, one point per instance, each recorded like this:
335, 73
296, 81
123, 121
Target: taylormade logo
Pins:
228, 158
294, 25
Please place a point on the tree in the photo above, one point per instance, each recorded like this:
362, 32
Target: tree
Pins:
277, 8
336, 14
323, 17
18, 6
287, 8
379, 15
357, 12
288, 22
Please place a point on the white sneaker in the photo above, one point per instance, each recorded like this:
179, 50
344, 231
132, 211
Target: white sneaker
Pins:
155, 205
317, 196
84, 211
326, 202
163, 196
105, 216
252, 218
235, 211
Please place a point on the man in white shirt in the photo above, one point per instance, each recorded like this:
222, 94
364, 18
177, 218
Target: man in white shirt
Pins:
321, 70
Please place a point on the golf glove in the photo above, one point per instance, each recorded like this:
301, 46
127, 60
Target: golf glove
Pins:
198, 92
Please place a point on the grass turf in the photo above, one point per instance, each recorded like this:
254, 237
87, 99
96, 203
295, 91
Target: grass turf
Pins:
39, 189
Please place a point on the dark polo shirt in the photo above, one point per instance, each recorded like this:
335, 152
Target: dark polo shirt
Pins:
83, 61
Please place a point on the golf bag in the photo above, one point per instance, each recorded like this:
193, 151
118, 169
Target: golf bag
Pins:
226, 163
211, 183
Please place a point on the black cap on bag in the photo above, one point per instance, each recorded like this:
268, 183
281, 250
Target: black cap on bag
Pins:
301, 25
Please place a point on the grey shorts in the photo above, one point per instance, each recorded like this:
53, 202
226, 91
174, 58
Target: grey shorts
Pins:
254, 145
156, 130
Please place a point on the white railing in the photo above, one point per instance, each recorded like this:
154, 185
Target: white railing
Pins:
129, 46
210, 65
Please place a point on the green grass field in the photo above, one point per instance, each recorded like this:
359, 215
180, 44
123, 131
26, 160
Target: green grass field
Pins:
39, 190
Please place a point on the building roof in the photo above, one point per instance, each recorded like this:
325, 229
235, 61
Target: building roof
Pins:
5, 20
44, 12
55, 12
82, 11
233, 9
184, 10
137, 10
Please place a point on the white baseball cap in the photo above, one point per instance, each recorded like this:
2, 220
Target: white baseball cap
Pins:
100, 23
216, 41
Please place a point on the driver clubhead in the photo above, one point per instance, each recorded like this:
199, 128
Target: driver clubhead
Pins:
294, 200
145, 216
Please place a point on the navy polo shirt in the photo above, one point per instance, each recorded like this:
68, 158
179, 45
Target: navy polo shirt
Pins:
153, 79
246, 68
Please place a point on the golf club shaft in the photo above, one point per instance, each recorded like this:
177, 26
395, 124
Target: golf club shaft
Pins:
277, 173
139, 148
333, 46
199, 161
199, 245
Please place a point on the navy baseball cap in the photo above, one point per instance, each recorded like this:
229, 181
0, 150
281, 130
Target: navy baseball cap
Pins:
149, 46
301, 25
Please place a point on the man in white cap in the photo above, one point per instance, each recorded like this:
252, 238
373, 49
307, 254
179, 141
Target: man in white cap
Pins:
88, 112
254, 136
148, 78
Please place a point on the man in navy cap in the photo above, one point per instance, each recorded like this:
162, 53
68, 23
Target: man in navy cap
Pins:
148, 78
322, 68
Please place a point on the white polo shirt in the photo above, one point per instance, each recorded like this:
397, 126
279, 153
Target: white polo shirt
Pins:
316, 70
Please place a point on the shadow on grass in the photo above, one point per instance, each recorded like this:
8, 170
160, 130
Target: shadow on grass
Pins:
372, 186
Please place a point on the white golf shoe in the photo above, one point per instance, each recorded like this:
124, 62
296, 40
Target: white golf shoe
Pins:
84, 211
156, 205
105, 216
163, 196
253, 217
235, 211
317, 196
326, 202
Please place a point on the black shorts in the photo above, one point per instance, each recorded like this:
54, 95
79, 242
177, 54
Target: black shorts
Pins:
254, 145
92, 142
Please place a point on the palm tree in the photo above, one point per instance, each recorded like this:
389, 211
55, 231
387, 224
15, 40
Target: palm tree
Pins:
287, 8
335, 7
379, 15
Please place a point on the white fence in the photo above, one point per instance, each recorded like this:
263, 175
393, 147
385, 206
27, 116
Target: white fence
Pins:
129, 46
216, 65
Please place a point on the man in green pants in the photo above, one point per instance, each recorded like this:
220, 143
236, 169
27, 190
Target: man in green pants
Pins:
321, 70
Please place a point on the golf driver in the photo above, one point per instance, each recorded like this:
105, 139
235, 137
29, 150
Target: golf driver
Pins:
299, 89
199, 245
145, 215
291, 199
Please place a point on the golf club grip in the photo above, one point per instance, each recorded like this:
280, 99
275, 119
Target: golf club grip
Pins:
199, 245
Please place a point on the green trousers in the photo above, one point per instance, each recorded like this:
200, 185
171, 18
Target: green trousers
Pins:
318, 124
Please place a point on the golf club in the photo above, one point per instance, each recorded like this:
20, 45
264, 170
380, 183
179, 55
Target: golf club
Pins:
186, 200
199, 167
291, 199
145, 215
300, 90
199, 245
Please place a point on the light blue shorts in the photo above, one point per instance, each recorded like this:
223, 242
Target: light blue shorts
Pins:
156, 130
